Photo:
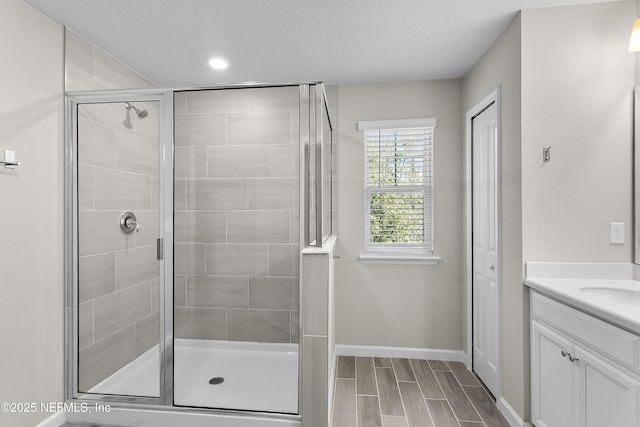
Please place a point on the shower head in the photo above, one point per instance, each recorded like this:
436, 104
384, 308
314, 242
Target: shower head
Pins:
140, 113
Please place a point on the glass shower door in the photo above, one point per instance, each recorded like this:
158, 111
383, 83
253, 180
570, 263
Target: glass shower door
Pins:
237, 232
118, 268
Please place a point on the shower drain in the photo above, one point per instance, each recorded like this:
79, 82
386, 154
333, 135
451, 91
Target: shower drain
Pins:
216, 380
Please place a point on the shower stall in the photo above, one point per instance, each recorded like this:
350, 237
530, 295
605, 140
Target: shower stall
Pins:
186, 215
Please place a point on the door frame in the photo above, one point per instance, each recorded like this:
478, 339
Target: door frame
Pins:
165, 204
492, 98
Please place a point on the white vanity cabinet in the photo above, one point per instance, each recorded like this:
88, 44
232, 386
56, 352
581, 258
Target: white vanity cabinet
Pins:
584, 372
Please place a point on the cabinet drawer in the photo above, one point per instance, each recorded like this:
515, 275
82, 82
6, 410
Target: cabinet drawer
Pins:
596, 334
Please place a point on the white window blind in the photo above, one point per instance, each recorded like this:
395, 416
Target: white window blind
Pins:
398, 184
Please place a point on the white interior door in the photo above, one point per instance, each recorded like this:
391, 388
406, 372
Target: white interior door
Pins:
485, 247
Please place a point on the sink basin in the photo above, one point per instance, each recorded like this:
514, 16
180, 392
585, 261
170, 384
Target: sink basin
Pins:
617, 295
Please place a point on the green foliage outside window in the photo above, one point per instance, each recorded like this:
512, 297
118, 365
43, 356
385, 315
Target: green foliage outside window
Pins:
396, 169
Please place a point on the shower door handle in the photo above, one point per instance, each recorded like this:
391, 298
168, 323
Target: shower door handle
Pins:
129, 222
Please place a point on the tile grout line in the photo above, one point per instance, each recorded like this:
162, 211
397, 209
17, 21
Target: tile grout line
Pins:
375, 376
484, 423
445, 395
433, 421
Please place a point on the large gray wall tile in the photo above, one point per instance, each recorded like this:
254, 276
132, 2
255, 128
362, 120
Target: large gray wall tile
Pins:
180, 194
96, 144
315, 384
109, 69
274, 98
110, 114
315, 294
216, 194
180, 290
272, 293
238, 161
180, 103
155, 294
295, 327
200, 323
259, 325
96, 276
258, 227
200, 226
149, 230
238, 259
97, 362
273, 194
134, 266
98, 232
118, 310
271, 127
147, 333
77, 79
136, 155
85, 187
78, 52
217, 292
85, 324
284, 260
189, 258
115, 190
285, 160
294, 137
217, 101
149, 127
190, 162
200, 130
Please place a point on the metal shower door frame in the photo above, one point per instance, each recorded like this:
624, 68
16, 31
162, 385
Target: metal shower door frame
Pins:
165, 162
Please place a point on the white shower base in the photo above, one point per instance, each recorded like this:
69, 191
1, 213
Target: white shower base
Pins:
257, 376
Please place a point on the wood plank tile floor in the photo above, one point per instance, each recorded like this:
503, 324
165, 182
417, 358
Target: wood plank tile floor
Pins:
381, 392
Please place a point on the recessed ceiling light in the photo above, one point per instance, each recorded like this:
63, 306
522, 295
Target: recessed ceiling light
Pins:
217, 62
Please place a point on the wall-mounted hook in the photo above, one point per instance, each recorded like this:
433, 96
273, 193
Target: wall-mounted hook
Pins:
9, 160
546, 154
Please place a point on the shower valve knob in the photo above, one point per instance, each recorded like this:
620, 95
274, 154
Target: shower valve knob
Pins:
129, 222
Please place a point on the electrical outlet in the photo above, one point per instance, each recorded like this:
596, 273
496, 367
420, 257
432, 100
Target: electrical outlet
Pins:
616, 233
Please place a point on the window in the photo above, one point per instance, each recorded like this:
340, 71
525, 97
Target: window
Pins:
398, 187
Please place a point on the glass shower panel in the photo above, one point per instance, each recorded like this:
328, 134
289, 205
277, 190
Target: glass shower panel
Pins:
327, 172
236, 231
118, 272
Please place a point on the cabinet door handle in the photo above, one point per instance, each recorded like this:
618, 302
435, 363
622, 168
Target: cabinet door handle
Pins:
564, 353
573, 359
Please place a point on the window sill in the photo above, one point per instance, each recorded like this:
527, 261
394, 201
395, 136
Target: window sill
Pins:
387, 258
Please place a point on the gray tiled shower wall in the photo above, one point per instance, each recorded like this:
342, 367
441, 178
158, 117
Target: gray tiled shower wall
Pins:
237, 214
118, 274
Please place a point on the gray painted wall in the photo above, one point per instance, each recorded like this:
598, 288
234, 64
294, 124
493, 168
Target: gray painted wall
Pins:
400, 305
31, 209
501, 67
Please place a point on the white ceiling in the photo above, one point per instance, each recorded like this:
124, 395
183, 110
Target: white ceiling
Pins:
336, 41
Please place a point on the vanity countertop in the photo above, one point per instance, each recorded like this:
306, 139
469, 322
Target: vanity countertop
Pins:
616, 298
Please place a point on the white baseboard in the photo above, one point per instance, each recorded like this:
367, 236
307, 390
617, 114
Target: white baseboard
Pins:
54, 420
404, 352
510, 414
